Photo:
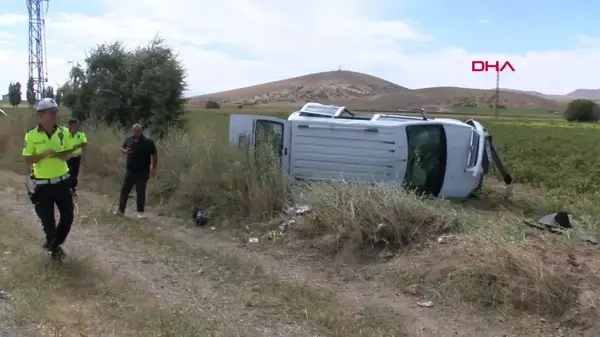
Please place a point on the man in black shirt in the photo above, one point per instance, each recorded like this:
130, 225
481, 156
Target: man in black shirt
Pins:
141, 165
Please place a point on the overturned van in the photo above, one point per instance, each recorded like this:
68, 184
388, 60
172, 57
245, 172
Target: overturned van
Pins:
437, 156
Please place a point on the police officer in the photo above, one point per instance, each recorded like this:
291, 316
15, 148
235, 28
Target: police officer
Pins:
47, 149
76, 138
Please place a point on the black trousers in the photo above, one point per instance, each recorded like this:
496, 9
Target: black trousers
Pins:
74, 164
131, 179
46, 196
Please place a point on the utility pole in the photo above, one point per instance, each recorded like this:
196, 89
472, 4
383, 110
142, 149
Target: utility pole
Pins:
37, 46
497, 98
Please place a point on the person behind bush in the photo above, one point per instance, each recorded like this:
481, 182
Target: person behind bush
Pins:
140, 166
77, 137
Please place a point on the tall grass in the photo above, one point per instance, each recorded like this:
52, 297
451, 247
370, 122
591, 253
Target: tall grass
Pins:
194, 169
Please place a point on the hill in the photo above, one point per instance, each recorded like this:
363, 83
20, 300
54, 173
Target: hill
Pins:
362, 91
593, 94
325, 86
585, 93
448, 97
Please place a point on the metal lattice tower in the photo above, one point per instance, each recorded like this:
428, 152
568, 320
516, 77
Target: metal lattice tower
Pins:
37, 45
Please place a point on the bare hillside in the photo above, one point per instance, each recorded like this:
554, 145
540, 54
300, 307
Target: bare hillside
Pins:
362, 91
445, 97
585, 93
325, 86
560, 98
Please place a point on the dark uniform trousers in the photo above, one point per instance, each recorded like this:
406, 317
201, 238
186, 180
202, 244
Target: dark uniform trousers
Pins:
74, 163
140, 181
47, 196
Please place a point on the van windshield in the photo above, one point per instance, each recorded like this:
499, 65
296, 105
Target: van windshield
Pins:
426, 163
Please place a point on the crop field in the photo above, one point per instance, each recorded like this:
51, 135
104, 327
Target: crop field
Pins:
364, 262
554, 155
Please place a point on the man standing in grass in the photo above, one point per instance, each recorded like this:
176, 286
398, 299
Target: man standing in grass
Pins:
77, 138
141, 165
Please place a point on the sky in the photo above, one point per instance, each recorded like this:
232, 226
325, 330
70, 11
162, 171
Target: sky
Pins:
226, 44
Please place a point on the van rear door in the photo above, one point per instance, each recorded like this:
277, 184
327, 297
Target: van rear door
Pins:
255, 130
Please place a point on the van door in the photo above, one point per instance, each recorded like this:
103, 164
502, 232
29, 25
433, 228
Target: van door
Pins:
256, 130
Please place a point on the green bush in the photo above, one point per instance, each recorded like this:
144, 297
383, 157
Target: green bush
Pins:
212, 105
582, 110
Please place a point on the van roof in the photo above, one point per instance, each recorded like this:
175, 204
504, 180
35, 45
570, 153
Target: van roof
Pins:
296, 116
336, 114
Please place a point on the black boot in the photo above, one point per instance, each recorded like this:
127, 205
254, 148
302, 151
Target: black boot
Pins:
58, 254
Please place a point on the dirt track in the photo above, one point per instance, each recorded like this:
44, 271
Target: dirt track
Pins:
238, 289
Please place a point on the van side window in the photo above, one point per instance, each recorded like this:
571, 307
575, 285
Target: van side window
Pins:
269, 133
426, 164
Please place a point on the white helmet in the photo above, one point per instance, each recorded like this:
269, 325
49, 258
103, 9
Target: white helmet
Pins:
46, 104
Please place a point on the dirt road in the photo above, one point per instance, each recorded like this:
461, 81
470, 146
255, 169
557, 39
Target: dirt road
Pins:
160, 277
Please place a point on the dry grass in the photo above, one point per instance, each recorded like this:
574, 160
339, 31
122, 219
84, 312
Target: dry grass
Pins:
514, 278
249, 284
496, 263
364, 213
76, 298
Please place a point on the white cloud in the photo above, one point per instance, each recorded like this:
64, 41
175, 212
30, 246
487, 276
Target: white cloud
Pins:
279, 39
483, 21
11, 19
588, 40
6, 37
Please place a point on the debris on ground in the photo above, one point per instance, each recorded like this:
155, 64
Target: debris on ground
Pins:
561, 223
559, 220
4, 295
286, 224
297, 210
385, 255
444, 239
425, 304
290, 216
584, 236
253, 240
198, 216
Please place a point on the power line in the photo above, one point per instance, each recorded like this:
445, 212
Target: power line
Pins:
497, 96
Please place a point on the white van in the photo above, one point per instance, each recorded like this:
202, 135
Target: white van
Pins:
438, 156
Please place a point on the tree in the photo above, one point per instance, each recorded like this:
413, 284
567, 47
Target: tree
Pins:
582, 110
14, 94
58, 96
210, 104
48, 92
122, 87
30, 92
